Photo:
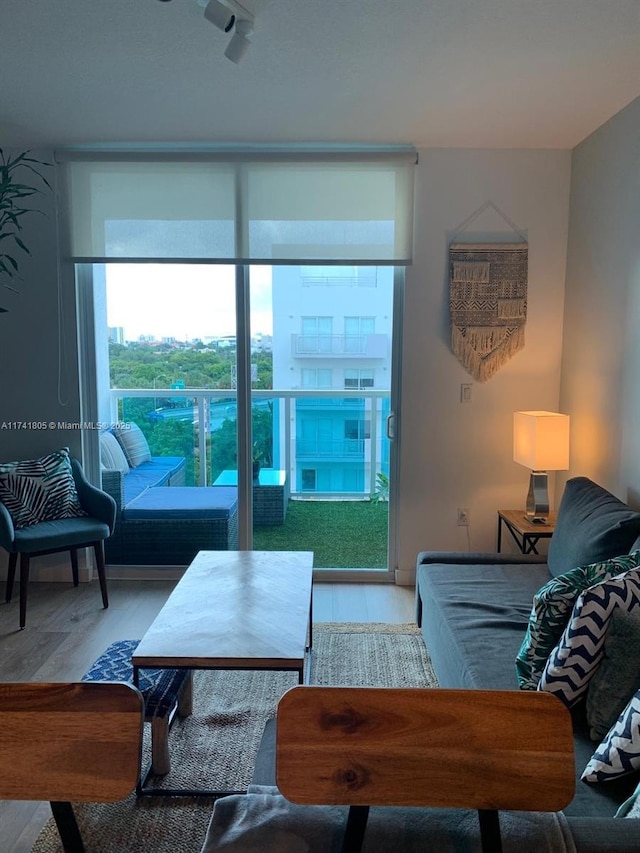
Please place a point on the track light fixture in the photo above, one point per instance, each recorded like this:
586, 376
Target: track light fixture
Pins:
220, 15
239, 44
225, 16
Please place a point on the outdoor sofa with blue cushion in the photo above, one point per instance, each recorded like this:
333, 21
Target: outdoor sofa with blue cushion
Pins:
127, 470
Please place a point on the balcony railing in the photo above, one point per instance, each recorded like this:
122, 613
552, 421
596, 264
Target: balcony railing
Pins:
328, 346
339, 435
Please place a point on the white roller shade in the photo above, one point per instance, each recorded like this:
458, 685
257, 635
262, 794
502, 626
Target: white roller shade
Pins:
151, 210
244, 210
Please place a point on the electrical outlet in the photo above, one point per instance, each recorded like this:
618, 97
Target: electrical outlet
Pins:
463, 516
465, 392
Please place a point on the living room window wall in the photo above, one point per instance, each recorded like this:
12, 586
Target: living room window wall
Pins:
212, 244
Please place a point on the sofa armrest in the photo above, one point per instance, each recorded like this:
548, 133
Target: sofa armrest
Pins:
95, 501
113, 484
472, 557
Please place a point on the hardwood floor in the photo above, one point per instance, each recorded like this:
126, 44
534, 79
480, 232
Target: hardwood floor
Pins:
67, 629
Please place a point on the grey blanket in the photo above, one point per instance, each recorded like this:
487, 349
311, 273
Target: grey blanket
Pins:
264, 822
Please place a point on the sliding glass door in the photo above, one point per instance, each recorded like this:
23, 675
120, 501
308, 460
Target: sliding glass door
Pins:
320, 394
257, 295
330, 332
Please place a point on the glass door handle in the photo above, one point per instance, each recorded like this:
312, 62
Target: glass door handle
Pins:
390, 426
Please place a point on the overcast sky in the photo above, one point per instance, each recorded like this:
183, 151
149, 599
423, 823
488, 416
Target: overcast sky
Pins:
183, 301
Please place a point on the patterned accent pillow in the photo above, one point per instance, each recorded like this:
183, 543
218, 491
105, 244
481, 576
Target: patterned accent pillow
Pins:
111, 454
40, 489
134, 444
619, 752
552, 606
579, 652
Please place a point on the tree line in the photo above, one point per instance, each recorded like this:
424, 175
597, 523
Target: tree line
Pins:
169, 424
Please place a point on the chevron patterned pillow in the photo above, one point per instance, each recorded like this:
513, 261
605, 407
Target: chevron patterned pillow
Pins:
580, 649
552, 606
40, 489
619, 752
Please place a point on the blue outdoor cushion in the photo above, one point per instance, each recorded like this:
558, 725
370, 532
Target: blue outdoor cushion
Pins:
183, 502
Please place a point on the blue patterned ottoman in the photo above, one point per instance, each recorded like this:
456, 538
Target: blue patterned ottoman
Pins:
165, 691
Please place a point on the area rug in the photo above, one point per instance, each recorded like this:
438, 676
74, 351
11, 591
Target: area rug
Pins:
216, 746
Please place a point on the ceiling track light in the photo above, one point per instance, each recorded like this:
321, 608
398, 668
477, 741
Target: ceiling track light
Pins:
220, 15
227, 16
240, 44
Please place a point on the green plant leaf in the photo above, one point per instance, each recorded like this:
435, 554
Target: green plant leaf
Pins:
14, 191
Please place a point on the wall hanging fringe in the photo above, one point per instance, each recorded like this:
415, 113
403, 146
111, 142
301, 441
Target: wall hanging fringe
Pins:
488, 303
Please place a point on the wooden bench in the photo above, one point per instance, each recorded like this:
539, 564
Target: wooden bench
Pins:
471, 749
69, 742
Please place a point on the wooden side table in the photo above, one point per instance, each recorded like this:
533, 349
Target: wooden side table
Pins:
524, 533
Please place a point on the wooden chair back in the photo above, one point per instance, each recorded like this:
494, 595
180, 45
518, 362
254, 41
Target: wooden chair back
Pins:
484, 750
70, 742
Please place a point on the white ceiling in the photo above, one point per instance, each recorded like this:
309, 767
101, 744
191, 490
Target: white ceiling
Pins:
432, 73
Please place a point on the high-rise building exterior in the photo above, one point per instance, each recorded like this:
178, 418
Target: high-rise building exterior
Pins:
332, 330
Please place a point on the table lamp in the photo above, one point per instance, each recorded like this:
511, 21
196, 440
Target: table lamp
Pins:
541, 443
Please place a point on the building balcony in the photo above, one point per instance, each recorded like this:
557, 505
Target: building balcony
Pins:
375, 346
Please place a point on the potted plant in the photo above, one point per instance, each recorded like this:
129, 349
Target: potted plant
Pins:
257, 461
13, 194
381, 493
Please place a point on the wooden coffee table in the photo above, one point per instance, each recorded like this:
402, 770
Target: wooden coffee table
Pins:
233, 610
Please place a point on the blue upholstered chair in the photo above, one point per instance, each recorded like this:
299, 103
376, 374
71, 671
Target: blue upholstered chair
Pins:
64, 534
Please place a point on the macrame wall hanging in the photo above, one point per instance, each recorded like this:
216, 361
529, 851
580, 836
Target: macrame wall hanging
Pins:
487, 300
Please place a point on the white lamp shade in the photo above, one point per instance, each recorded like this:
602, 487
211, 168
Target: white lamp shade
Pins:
541, 440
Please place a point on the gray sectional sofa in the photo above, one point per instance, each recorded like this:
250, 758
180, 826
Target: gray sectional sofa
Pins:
474, 610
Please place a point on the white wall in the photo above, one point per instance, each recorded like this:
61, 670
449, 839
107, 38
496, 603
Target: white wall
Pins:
460, 454
38, 350
601, 356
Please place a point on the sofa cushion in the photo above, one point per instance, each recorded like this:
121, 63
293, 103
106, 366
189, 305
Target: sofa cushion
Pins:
619, 752
618, 677
111, 454
592, 525
186, 502
552, 606
576, 657
43, 489
134, 443
477, 616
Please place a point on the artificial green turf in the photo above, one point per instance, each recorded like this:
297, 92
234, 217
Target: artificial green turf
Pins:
341, 534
